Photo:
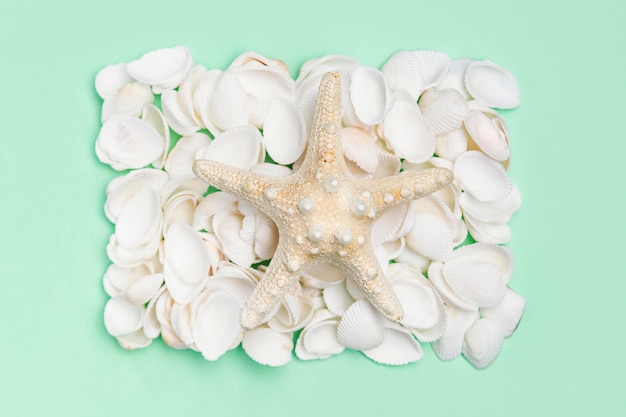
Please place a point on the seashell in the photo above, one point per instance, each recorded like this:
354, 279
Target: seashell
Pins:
180, 318
477, 282
318, 339
322, 275
337, 298
128, 100
487, 252
191, 186
134, 340
450, 345
216, 325
163, 308
392, 224
177, 116
370, 95
162, 68
121, 317
409, 257
444, 110
490, 134
398, 348
179, 209
482, 177
182, 292
208, 206
456, 76
452, 144
431, 237
110, 78
492, 85
227, 226
361, 327
187, 90
359, 146
239, 147
434, 67
186, 254
408, 133
354, 290
293, 313
181, 157
127, 142
141, 291
483, 343
508, 312
121, 189
388, 165
202, 97
267, 347
403, 71
435, 276
284, 132
153, 116
234, 280
139, 219
228, 107
323, 65
151, 325
484, 232
117, 279
494, 211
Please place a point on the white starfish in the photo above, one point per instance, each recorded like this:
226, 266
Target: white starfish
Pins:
323, 214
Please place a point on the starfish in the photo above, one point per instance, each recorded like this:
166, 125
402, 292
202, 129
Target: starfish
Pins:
322, 213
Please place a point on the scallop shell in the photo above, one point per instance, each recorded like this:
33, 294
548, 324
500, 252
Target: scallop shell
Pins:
494, 211
318, 340
403, 71
359, 146
284, 132
228, 106
235, 280
483, 343
492, 85
322, 275
110, 78
121, 317
178, 116
408, 133
450, 345
227, 226
141, 291
240, 147
477, 282
179, 209
139, 219
152, 115
434, 65
267, 347
127, 100
337, 298
508, 312
452, 144
487, 252
186, 253
482, 177
444, 110
399, 347
121, 189
202, 97
490, 134
484, 232
431, 237
181, 157
162, 68
361, 327
436, 277
370, 95
456, 76
134, 340
216, 325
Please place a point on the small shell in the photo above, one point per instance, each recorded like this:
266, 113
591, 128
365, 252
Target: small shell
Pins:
322, 275
121, 189
436, 277
477, 282
284, 132
403, 71
399, 347
483, 342
456, 76
139, 219
434, 67
110, 78
484, 232
361, 327
240, 147
152, 115
408, 133
508, 312
370, 95
492, 85
181, 157
450, 344
177, 116
318, 340
228, 107
431, 237
186, 253
121, 317
444, 110
182, 292
359, 146
482, 177
128, 100
490, 134
452, 144
227, 226
267, 347
393, 224
202, 97
488, 252
141, 291
216, 325
134, 340
162, 68
494, 211
337, 298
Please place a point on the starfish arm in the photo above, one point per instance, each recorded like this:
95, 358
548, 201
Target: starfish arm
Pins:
324, 150
388, 192
277, 280
365, 270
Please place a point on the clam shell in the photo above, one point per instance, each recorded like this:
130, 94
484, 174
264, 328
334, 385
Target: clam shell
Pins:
318, 339
436, 277
162, 68
388, 165
141, 291
392, 224
456, 76
208, 206
477, 282
492, 85
134, 340
508, 312
284, 132
408, 133
494, 211
151, 325
322, 275
434, 65
202, 97
267, 347
216, 326
261, 232
361, 327
127, 100
431, 237
122, 317
403, 71
483, 343
152, 115
178, 117
240, 147
139, 219
228, 103
444, 110
451, 145
227, 226
110, 78
359, 146
187, 91
398, 348
484, 232
182, 292
181, 157
482, 177
370, 95
234, 280
186, 253
488, 252
450, 345
337, 298
179, 209
409, 257
490, 134
123, 188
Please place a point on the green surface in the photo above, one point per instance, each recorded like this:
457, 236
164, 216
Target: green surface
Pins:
566, 359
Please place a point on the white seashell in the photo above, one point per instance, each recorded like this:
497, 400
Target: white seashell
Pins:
318, 339
134, 340
370, 95
431, 237
181, 291
202, 97
482, 177
495, 211
337, 298
236, 281
128, 100
359, 146
508, 312
141, 291
227, 226
216, 325
444, 110
403, 71
492, 85
322, 275
117, 279
434, 67
293, 313
388, 165
398, 348
191, 186
267, 347
485, 232
392, 224
452, 144
361, 327
325, 64
153, 116
110, 78
228, 108
284, 132
186, 253
477, 282
450, 345
180, 318
264, 234
483, 343
456, 76
181, 157
435, 276
151, 325
163, 309
408, 133
123, 188
127, 142
211, 204
162, 68
187, 90
121, 317
487, 252
239, 147
409, 257
130, 257
490, 134
139, 219
177, 116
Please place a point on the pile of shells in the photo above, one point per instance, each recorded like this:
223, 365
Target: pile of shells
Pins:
185, 259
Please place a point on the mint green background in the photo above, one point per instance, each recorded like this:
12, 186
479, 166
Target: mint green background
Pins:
567, 357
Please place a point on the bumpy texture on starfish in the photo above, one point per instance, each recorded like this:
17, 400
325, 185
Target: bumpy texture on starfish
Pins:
323, 214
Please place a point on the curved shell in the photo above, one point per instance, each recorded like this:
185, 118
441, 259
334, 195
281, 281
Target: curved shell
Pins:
361, 327
162, 68
450, 344
284, 132
431, 237
434, 65
153, 116
408, 133
127, 100
482, 177
110, 78
121, 317
456, 76
228, 107
337, 298
452, 144
267, 347
318, 339
186, 253
508, 312
177, 115
240, 147
490, 134
216, 326
483, 343
181, 157
322, 275
494, 211
370, 95
488, 252
398, 348
444, 110
403, 71
492, 85
139, 219
359, 146
485, 232
141, 291
478, 283
121, 189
